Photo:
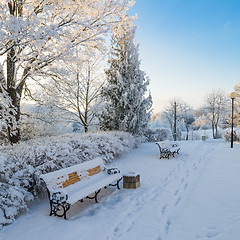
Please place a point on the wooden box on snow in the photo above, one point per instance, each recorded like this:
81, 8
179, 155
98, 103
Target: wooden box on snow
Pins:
131, 180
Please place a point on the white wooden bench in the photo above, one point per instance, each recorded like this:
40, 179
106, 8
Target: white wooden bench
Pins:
168, 149
69, 185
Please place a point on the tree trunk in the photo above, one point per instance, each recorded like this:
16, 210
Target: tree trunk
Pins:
14, 117
187, 134
216, 131
85, 128
213, 131
13, 110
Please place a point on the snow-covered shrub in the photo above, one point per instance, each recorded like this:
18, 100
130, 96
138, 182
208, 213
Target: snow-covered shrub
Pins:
157, 134
13, 200
22, 164
236, 135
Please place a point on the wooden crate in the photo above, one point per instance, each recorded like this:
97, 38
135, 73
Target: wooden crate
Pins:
131, 180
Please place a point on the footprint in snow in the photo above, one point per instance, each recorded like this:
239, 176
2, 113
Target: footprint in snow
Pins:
212, 232
165, 184
195, 166
168, 223
164, 209
178, 201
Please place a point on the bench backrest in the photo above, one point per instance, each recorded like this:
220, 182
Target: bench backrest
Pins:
166, 144
65, 177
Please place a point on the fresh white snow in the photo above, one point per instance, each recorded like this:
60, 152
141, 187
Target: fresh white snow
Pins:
194, 195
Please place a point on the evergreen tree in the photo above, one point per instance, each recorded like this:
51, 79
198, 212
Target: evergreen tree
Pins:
127, 108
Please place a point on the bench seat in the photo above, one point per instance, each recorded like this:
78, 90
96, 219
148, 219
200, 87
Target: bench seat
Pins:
86, 187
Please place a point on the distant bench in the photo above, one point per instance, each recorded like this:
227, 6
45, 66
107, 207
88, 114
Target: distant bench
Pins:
167, 149
69, 185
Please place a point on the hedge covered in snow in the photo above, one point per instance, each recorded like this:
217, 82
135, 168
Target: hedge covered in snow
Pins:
22, 164
157, 134
236, 135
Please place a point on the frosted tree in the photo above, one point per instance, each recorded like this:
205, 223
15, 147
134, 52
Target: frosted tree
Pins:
183, 116
186, 117
127, 108
236, 114
76, 90
171, 116
39, 120
36, 33
216, 109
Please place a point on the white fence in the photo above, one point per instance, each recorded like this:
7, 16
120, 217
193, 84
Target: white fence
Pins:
197, 134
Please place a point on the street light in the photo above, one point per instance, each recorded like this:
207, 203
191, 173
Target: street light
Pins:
232, 95
175, 121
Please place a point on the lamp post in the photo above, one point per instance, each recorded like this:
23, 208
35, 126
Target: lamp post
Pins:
232, 95
175, 121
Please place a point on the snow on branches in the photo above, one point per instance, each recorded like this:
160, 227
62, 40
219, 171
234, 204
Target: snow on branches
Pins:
127, 108
34, 34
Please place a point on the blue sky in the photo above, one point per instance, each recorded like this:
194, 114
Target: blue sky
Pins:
188, 47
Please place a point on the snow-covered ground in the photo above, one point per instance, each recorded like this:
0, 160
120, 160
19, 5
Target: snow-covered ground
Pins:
194, 195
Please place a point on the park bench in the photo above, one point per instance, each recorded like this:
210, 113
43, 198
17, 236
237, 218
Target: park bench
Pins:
70, 185
168, 149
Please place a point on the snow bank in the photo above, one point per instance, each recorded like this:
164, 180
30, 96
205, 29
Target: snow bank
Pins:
22, 164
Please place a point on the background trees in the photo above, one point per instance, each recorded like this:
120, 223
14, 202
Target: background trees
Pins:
183, 116
237, 107
186, 117
215, 109
126, 108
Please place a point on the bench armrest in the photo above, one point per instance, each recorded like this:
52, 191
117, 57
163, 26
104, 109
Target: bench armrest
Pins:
111, 171
58, 197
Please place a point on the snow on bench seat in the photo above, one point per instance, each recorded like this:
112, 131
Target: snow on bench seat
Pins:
69, 185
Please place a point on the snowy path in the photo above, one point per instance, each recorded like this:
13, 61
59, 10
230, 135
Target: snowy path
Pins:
192, 196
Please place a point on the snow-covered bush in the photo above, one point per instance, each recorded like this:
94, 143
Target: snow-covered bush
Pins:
236, 135
157, 134
22, 164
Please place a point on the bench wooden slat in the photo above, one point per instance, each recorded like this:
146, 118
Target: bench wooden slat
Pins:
94, 171
73, 178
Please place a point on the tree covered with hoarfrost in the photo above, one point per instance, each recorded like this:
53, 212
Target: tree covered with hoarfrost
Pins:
236, 114
75, 92
34, 34
215, 109
127, 108
180, 113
